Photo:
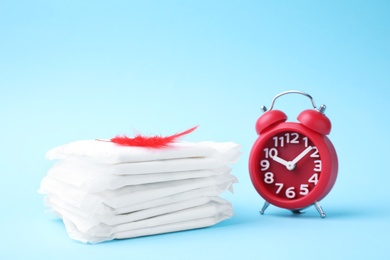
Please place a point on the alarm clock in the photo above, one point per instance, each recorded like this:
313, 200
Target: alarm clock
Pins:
293, 165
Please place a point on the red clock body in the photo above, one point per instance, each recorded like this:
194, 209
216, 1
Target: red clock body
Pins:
291, 165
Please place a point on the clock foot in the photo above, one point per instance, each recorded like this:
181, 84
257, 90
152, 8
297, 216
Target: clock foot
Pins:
319, 209
297, 211
265, 206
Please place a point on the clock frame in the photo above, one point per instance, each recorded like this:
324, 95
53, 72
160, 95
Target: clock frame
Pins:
280, 180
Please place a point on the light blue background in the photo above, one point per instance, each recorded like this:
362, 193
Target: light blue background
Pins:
72, 70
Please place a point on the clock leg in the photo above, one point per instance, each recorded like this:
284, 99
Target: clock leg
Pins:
265, 206
319, 209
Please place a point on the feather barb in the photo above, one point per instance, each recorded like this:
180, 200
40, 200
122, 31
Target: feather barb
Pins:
149, 141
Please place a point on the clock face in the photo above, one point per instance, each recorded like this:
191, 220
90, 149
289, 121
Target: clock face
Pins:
289, 165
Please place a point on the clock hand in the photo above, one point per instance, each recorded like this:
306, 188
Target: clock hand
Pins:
301, 155
279, 160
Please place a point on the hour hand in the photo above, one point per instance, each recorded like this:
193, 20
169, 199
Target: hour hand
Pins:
279, 160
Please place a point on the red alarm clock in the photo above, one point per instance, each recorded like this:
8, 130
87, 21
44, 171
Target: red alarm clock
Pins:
293, 165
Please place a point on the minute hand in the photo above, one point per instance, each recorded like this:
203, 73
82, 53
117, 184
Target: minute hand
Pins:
301, 155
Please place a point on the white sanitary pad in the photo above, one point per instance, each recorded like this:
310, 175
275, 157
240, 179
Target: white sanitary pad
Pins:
110, 153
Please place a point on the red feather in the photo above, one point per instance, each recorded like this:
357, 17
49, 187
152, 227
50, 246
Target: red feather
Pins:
149, 141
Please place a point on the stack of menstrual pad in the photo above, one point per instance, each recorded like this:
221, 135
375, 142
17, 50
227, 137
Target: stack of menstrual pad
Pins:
106, 191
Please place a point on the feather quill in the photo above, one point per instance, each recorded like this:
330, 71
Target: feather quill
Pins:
149, 141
